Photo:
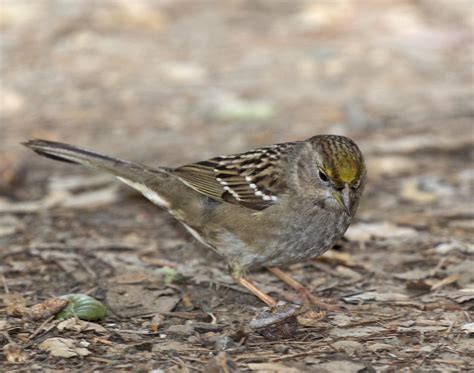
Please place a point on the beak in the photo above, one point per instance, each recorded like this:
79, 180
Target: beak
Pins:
344, 197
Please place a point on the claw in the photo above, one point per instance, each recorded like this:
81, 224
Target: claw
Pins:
308, 298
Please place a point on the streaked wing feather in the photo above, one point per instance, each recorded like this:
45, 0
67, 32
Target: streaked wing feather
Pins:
201, 178
253, 179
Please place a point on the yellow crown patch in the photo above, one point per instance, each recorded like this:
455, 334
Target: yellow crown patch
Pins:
344, 170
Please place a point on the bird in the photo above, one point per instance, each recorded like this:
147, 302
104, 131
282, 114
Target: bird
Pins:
265, 208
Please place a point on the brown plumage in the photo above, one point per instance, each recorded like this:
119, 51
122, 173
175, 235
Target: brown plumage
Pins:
253, 179
267, 207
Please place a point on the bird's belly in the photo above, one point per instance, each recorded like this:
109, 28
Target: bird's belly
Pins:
313, 239
295, 238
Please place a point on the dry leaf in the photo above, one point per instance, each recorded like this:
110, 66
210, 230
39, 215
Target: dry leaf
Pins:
9, 224
311, 318
468, 328
62, 347
418, 285
415, 274
446, 281
14, 353
390, 165
349, 347
357, 332
272, 367
376, 347
412, 191
130, 278
187, 301
348, 273
375, 296
15, 305
341, 320
462, 295
156, 322
80, 325
3, 325
221, 364
345, 259
171, 346
422, 329
366, 231
340, 367
463, 247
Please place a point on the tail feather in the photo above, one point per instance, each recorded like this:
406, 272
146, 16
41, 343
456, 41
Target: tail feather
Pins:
73, 154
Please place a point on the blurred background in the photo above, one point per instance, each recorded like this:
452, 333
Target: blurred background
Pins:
169, 82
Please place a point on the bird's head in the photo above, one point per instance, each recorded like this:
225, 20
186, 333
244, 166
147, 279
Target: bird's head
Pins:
336, 171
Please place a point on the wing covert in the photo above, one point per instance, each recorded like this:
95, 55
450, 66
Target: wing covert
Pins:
254, 179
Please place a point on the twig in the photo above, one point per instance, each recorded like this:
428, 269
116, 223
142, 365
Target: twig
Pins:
431, 353
40, 327
100, 360
445, 281
467, 316
182, 363
373, 321
408, 304
292, 356
88, 269
5, 286
451, 362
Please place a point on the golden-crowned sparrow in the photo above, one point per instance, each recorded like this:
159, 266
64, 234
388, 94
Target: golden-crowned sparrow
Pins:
267, 207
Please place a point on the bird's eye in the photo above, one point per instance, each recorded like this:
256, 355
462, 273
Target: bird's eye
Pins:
323, 177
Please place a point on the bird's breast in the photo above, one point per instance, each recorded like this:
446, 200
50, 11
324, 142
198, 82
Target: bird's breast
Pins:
304, 236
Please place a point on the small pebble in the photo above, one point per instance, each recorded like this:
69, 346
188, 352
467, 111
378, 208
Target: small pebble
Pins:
349, 347
194, 339
224, 342
281, 349
180, 330
203, 327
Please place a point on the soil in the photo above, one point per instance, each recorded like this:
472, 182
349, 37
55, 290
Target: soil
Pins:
171, 82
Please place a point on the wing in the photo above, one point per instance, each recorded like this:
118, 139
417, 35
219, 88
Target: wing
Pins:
254, 179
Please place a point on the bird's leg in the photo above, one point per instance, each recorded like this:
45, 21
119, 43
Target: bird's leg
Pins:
308, 298
265, 298
239, 276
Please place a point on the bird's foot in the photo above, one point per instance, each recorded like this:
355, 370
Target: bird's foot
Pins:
310, 300
306, 297
310, 317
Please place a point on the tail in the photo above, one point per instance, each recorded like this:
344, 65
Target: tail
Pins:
69, 153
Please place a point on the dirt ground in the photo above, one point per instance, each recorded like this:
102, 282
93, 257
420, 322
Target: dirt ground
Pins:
170, 82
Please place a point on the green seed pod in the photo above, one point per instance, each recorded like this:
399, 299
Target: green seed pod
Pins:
83, 307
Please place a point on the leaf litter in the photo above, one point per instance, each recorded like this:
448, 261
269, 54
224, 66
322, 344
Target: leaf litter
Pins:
402, 277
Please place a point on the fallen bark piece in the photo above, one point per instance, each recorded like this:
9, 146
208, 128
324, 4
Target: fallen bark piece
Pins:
279, 323
47, 308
